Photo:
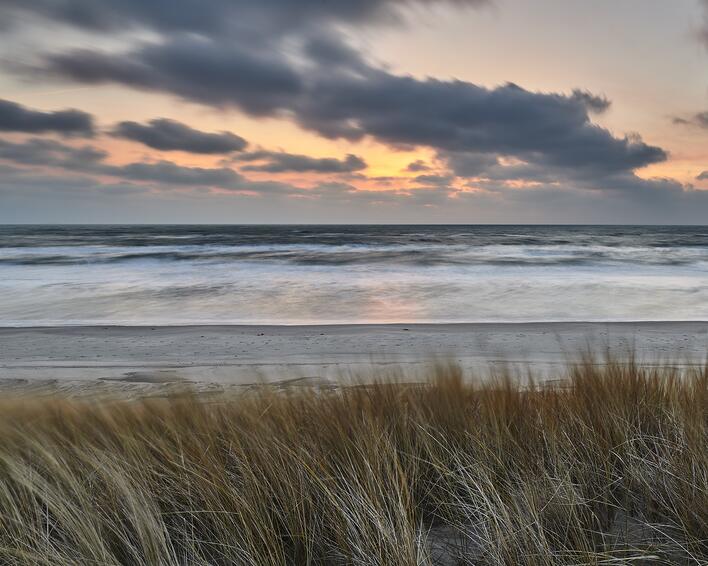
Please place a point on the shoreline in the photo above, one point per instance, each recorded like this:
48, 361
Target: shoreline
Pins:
83, 359
4, 327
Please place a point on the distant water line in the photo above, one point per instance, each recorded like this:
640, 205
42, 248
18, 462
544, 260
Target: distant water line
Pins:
350, 274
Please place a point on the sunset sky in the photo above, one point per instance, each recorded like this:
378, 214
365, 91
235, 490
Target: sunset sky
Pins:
367, 111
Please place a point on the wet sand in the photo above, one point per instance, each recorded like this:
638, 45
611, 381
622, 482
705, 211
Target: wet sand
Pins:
150, 358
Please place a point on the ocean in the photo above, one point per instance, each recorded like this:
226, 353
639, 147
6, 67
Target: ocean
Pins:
150, 275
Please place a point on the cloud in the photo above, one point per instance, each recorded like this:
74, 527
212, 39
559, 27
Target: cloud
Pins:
94, 190
470, 164
703, 176
17, 118
329, 194
295, 60
213, 16
169, 173
40, 186
417, 166
281, 162
91, 162
552, 129
355, 100
490, 173
193, 68
594, 103
434, 180
702, 33
170, 135
46, 152
308, 71
700, 120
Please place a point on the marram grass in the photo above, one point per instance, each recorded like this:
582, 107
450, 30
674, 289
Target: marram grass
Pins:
610, 468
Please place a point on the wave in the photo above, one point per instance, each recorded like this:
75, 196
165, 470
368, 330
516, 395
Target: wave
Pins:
472, 236
334, 256
311, 274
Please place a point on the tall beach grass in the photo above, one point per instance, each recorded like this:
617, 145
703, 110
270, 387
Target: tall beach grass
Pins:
610, 467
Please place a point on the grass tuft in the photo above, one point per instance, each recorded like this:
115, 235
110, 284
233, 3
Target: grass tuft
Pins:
610, 467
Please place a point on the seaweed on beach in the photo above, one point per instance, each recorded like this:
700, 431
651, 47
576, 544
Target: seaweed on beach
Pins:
609, 466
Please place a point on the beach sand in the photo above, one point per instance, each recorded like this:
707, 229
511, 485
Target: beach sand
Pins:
148, 359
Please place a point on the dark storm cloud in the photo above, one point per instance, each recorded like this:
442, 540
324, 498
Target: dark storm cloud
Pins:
468, 164
17, 118
351, 103
594, 103
703, 176
211, 16
170, 135
196, 69
488, 172
292, 59
455, 115
307, 71
281, 162
327, 49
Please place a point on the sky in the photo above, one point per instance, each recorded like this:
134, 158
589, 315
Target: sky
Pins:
374, 111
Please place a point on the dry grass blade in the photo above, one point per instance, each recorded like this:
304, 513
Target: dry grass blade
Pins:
611, 468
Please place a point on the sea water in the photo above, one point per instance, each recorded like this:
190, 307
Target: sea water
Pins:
52, 275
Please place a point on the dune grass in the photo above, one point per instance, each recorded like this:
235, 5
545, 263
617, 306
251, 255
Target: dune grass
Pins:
609, 468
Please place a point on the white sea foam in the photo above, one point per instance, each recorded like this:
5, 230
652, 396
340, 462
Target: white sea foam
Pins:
300, 275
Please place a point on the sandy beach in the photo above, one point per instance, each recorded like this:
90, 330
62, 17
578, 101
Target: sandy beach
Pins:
85, 360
